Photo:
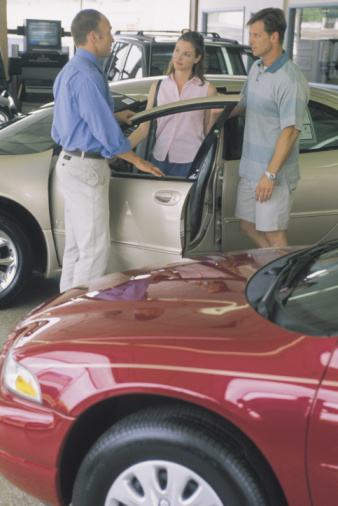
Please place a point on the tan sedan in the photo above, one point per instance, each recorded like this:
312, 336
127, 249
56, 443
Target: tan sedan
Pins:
157, 220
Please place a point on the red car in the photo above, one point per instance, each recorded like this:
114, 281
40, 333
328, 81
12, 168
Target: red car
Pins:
210, 382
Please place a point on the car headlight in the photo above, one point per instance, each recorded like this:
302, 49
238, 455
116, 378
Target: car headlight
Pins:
21, 381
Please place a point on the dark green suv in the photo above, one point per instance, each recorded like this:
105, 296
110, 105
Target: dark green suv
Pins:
144, 54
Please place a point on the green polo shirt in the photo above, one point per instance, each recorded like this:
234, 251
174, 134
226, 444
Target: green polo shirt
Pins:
274, 98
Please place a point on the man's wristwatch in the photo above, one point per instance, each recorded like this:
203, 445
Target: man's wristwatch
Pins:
270, 175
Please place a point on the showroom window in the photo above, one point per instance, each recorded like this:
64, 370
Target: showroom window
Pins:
313, 42
228, 24
121, 51
133, 65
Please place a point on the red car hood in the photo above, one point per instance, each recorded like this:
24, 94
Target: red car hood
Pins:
177, 300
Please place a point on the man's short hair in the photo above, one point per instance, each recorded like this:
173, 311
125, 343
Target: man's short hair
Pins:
274, 21
85, 22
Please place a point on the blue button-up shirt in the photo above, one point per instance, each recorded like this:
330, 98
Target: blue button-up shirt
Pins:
84, 109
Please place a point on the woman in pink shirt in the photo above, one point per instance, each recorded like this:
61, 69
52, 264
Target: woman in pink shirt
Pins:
179, 136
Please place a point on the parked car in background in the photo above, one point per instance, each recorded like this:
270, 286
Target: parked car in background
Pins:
209, 381
144, 54
157, 220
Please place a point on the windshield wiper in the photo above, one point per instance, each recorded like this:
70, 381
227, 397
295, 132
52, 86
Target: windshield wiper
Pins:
300, 266
288, 275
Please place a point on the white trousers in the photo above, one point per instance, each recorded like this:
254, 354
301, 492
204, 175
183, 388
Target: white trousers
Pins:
85, 186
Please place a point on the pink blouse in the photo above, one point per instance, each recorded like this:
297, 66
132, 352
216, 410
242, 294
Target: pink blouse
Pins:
179, 135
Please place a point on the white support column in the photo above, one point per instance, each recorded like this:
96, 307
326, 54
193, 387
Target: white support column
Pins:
3, 33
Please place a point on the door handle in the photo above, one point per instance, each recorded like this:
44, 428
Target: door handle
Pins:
167, 198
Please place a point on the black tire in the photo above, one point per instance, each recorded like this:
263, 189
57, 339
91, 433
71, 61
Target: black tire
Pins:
16, 259
173, 453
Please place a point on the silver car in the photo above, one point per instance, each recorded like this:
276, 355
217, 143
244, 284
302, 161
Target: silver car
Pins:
157, 220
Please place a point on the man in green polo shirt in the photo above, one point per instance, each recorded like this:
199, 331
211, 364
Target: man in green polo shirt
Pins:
274, 100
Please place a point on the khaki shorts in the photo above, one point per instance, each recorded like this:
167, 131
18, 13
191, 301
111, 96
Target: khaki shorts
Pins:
269, 216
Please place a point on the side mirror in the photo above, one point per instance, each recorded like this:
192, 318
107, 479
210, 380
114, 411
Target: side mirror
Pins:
14, 66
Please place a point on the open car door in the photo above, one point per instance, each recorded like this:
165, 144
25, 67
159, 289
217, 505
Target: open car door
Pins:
156, 220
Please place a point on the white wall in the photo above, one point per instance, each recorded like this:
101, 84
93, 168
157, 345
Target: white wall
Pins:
122, 14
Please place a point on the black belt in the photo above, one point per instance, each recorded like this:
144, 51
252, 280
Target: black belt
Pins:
83, 154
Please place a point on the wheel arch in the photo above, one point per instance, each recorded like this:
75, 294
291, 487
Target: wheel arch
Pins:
28, 223
101, 416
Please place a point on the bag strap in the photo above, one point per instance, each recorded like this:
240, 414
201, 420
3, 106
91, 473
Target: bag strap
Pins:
153, 126
156, 92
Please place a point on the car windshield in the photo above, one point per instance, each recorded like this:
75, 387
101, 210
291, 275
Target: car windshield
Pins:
300, 292
312, 295
29, 134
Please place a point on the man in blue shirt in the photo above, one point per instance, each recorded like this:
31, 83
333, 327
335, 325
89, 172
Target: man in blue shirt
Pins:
85, 126
274, 100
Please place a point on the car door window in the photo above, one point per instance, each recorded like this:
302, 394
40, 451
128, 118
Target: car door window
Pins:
201, 169
115, 64
144, 149
201, 172
160, 58
133, 65
215, 60
238, 60
320, 132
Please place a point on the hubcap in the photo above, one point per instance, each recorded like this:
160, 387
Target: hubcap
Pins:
160, 483
8, 261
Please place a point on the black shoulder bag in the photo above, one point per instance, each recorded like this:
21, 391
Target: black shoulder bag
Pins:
152, 128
